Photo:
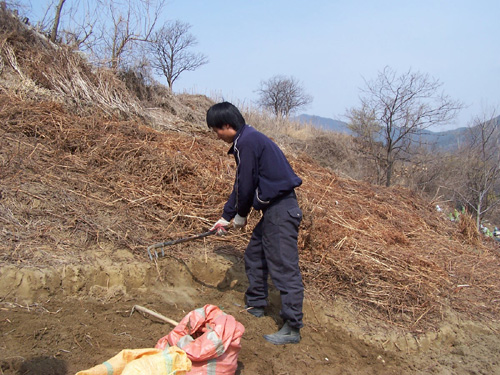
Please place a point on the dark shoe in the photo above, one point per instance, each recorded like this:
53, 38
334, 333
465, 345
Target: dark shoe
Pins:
286, 335
255, 311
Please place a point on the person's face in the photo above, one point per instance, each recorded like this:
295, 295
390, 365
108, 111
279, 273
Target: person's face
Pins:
226, 133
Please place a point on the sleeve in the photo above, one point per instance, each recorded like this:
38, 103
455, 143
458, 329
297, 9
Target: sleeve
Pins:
230, 207
246, 181
247, 178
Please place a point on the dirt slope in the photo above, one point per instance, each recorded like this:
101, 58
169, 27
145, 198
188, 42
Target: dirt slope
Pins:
78, 316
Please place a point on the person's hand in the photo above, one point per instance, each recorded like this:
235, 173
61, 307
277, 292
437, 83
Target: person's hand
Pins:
239, 222
220, 227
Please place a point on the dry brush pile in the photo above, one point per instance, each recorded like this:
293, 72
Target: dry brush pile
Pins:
388, 248
71, 183
73, 180
34, 67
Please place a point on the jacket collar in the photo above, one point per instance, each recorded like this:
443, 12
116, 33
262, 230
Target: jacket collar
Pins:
235, 141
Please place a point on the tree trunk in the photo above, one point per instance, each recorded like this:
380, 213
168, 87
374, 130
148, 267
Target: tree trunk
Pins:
478, 214
390, 168
389, 176
57, 18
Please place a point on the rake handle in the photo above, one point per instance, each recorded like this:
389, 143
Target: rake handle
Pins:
173, 242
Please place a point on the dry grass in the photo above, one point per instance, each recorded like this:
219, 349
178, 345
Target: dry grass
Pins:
70, 183
76, 176
35, 68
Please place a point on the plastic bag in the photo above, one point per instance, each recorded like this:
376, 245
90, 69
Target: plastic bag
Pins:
210, 338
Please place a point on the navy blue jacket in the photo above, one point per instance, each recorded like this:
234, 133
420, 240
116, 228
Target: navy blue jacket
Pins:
263, 173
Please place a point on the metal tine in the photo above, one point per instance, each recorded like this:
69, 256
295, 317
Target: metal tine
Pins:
173, 242
150, 253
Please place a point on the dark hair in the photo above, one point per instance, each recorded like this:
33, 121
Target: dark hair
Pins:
224, 113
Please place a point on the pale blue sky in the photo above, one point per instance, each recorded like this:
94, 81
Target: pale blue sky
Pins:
330, 46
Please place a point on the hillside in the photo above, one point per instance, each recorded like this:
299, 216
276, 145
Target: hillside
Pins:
91, 176
324, 123
448, 140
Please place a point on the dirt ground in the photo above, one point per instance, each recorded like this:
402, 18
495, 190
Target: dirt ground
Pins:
63, 320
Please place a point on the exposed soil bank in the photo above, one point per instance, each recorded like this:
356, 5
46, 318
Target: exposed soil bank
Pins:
64, 319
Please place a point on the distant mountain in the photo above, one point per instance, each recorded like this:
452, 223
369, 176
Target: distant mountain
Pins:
445, 140
324, 123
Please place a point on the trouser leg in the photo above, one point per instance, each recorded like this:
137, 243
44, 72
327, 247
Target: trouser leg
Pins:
256, 270
279, 229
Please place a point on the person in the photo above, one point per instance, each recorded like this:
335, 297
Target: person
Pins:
265, 181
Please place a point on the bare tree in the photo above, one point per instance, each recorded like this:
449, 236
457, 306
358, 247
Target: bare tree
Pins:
403, 106
74, 25
16, 7
57, 19
282, 95
366, 130
70, 22
46, 22
125, 25
170, 50
81, 26
480, 167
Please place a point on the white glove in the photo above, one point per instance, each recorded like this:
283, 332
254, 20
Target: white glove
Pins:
220, 227
239, 222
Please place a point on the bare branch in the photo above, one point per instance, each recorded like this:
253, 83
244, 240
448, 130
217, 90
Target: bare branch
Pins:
125, 25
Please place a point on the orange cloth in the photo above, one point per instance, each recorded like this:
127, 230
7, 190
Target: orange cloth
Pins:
143, 361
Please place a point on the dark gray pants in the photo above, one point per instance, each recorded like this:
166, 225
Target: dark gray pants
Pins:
273, 251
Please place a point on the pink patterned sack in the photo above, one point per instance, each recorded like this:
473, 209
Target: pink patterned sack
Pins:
210, 338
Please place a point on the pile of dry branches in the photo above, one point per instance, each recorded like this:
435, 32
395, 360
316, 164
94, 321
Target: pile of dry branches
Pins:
100, 179
390, 249
70, 183
34, 67
73, 182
